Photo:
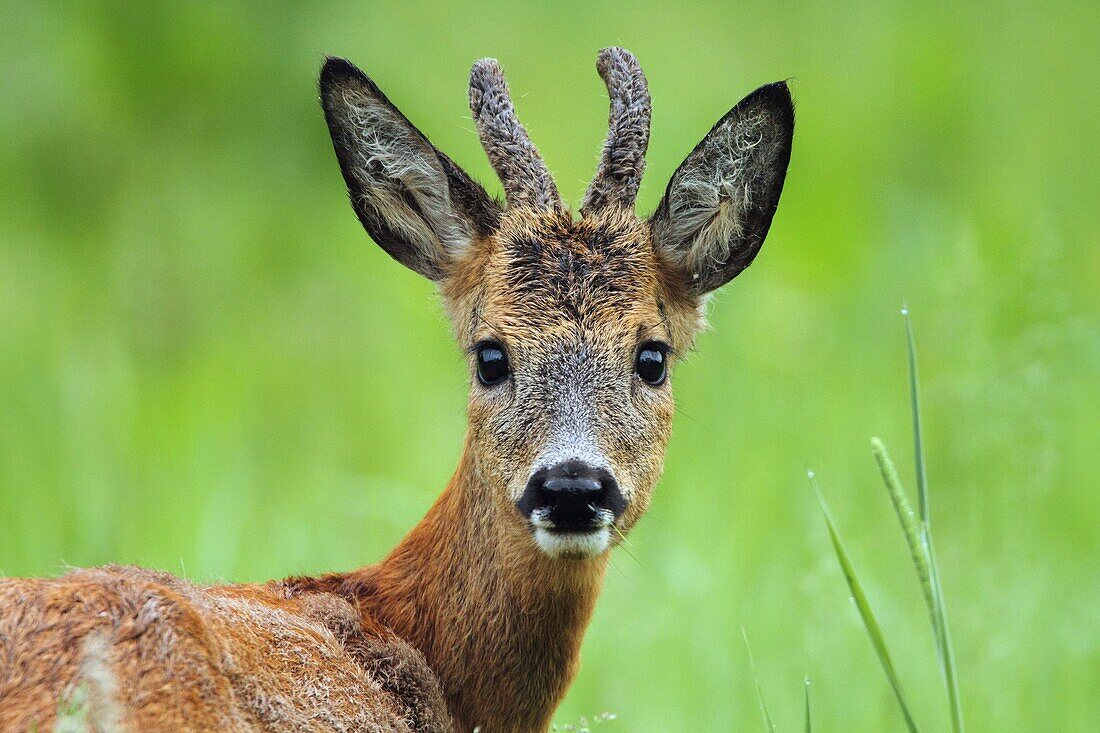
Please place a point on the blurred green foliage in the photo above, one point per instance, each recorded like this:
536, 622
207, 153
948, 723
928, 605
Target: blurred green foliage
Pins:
205, 366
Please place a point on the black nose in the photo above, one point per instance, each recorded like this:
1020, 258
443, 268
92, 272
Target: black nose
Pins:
572, 496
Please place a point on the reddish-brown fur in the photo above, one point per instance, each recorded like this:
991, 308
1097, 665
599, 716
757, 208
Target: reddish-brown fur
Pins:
469, 621
498, 622
148, 651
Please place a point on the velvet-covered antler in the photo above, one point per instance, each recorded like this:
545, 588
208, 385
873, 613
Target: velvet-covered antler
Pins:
511, 152
620, 171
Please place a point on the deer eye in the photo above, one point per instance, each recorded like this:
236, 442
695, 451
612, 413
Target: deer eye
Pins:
492, 363
650, 364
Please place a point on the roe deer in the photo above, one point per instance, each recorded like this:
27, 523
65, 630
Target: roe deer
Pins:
572, 326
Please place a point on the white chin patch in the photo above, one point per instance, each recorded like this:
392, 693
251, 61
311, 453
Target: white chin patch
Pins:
573, 545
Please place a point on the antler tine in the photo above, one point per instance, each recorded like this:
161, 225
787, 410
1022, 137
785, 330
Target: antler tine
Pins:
511, 152
620, 171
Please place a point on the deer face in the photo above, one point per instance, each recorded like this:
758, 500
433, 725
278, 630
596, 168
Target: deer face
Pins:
570, 328
572, 325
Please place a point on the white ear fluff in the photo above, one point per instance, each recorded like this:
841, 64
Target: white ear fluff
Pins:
719, 204
413, 201
402, 179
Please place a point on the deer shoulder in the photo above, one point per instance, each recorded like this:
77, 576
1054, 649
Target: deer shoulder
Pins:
145, 650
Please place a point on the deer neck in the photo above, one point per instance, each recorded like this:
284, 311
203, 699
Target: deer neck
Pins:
499, 622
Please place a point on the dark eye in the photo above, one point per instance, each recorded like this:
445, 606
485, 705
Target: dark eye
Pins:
650, 363
492, 363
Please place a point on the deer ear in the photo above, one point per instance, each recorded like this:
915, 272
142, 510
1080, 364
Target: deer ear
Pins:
412, 199
719, 204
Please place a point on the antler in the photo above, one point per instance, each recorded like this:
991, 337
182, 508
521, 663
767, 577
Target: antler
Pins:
620, 171
511, 152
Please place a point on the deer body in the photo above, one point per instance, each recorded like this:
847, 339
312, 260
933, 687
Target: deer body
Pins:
571, 326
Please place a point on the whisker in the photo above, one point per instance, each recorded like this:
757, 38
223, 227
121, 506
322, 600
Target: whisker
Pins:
689, 417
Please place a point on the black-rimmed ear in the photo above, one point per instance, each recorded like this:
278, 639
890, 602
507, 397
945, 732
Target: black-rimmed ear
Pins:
720, 202
412, 199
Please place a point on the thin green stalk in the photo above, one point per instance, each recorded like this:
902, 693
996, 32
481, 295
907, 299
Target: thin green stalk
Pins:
809, 718
918, 434
945, 649
878, 641
937, 611
769, 726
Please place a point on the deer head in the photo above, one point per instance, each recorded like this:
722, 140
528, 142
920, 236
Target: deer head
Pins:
572, 325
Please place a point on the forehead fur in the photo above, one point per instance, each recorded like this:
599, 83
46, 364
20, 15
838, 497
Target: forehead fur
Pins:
584, 270
543, 269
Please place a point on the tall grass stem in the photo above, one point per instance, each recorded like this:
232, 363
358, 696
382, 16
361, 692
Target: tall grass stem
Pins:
937, 611
878, 641
918, 434
769, 725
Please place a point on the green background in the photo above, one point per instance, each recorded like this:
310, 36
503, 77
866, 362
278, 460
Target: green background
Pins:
206, 366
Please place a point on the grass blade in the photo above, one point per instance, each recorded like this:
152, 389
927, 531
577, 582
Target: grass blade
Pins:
878, 641
809, 718
918, 434
769, 726
937, 611
946, 651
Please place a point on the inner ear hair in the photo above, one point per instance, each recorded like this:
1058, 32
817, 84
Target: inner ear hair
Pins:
719, 204
416, 203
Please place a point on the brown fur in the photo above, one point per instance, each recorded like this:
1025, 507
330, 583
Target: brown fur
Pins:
186, 657
498, 622
470, 621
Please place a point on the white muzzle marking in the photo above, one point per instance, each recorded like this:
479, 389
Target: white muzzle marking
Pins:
572, 545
